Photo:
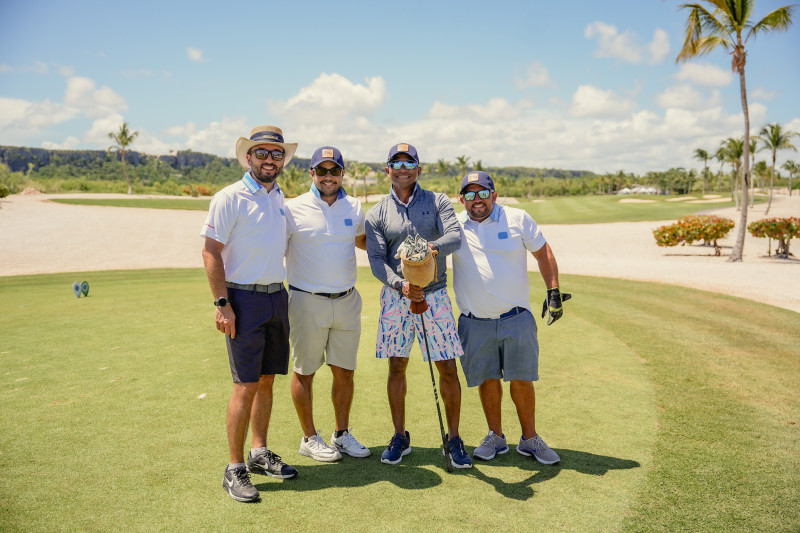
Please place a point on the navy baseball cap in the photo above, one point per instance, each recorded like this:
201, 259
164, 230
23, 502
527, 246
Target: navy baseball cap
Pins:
403, 148
477, 178
327, 153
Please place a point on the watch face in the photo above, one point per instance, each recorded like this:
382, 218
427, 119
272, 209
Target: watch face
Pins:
222, 302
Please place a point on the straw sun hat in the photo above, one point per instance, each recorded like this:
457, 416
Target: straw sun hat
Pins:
263, 135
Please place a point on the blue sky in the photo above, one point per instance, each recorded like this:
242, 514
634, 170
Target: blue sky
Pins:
577, 85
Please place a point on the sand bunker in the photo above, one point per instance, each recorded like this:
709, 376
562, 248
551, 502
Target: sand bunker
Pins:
636, 201
681, 199
710, 201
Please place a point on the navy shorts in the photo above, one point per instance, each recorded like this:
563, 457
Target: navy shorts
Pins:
503, 348
261, 346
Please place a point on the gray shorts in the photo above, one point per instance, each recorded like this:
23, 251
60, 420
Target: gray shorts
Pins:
503, 348
324, 330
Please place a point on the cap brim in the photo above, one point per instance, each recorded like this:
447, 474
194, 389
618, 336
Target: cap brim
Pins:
243, 145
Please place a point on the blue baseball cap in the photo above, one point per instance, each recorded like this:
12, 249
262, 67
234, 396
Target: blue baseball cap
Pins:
403, 148
327, 153
477, 178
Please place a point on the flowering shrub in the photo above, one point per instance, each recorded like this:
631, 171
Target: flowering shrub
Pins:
692, 228
780, 229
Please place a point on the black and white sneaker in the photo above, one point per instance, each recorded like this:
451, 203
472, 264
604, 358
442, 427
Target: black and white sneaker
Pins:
270, 464
236, 483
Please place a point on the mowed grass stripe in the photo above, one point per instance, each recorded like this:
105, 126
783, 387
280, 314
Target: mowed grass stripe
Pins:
555, 210
111, 395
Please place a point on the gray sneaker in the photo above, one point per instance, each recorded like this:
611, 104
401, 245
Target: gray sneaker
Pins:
270, 464
536, 447
236, 483
492, 445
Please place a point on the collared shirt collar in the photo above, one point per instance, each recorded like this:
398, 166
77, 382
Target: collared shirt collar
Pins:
410, 199
254, 186
341, 194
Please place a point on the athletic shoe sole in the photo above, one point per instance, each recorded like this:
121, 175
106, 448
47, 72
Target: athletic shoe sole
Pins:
239, 498
403, 454
496, 453
325, 459
456, 465
365, 453
529, 454
258, 470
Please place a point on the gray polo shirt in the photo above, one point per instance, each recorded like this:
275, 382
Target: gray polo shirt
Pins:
429, 215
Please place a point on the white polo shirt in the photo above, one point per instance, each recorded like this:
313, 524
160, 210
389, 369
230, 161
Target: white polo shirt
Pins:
321, 255
251, 223
490, 269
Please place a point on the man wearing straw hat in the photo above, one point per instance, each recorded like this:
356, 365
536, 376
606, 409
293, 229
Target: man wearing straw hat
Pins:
325, 226
410, 210
496, 327
245, 241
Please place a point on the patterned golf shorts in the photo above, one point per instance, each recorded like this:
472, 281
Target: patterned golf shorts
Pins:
397, 325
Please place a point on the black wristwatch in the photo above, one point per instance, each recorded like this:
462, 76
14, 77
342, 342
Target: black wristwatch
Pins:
222, 302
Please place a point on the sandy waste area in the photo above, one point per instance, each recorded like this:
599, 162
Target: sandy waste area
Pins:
40, 236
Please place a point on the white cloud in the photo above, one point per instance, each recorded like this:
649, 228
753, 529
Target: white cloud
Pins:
536, 75
26, 116
83, 94
684, 96
589, 101
101, 127
195, 54
761, 93
704, 74
5, 68
218, 137
68, 144
331, 97
625, 46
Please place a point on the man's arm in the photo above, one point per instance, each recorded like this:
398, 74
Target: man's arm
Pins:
547, 265
377, 250
361, 241
450, 241
215, 271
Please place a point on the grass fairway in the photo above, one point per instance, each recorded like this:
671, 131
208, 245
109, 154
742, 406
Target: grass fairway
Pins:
557, 210
672, 409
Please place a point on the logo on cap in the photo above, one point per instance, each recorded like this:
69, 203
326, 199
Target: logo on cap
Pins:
473, 177
402, 148
327, 153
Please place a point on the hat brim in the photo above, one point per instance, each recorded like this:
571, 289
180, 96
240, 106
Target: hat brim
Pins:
243, 145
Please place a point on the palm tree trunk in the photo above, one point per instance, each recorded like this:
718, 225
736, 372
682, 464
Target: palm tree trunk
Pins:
125, 173
738, 247
771, 182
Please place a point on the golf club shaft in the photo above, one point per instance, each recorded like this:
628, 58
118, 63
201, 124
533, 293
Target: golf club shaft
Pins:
436, 395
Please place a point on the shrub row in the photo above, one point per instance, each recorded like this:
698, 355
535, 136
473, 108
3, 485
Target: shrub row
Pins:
691, 228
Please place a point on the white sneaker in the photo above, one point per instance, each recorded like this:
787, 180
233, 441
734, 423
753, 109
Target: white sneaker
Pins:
348, 444
316, 448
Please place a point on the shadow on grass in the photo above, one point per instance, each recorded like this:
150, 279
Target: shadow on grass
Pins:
415, 473
581, 462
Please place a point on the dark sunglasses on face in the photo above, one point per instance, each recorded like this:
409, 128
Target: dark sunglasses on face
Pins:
409, 165
321, 171
483, 194
261, 153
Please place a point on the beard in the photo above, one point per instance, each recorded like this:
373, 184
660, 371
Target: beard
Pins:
265, 176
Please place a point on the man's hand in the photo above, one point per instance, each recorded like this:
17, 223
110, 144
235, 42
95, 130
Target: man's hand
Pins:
412, 292
226, 321
552, 307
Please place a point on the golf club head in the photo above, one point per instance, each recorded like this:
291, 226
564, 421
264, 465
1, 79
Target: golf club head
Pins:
76, 288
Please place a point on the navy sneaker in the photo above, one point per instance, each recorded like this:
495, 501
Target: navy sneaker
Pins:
398, 447
458, 455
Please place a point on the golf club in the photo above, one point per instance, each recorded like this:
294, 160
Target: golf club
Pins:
436, 395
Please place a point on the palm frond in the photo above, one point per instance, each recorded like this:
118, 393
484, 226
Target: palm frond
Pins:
700, 24
777, 20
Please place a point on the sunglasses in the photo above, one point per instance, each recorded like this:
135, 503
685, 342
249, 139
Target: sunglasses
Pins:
397, 165
321, 171
482, 194
261, 153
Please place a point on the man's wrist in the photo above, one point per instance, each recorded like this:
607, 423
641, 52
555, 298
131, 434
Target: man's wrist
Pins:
398, 285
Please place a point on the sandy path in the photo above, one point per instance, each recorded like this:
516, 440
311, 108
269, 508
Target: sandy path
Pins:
40, 236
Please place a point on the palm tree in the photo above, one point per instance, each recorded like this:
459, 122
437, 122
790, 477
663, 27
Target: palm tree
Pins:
705, 31
702, 155
122, 139
442, 167
793, 168
462, 163
775, 138
733, 150
753, 148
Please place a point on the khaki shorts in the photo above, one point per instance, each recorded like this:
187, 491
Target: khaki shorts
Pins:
324, 331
